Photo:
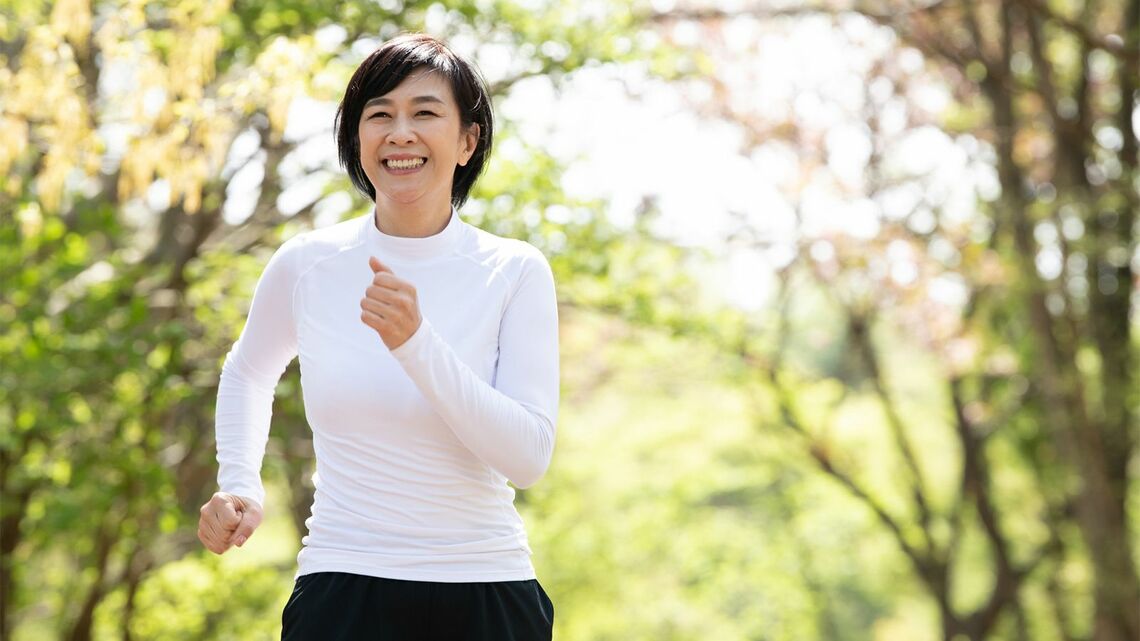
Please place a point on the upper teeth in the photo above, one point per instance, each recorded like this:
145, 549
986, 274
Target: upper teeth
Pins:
405, 164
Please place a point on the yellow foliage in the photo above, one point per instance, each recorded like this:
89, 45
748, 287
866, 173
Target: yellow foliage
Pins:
179, 117
71, 20
47, 89
116, 34
13, 140
191, 65
278, 66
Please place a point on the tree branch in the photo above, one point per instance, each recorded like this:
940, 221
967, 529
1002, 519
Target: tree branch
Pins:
976, 483
1069, 134
1112, 45
924, 564
860, 331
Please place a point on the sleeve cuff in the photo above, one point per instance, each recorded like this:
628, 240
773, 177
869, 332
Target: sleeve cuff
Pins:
249, 492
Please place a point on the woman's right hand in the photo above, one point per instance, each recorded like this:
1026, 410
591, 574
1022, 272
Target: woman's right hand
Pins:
227, 520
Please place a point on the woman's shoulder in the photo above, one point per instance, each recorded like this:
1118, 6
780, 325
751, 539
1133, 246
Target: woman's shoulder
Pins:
334, 237
303, 250
516, 262
501, 251
314, 244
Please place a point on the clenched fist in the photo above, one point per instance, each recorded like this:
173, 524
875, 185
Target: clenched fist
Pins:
390, 306
227, 520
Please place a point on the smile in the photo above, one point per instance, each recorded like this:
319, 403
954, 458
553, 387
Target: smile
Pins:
404, 163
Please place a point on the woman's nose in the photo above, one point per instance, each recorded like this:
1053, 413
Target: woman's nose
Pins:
402, 132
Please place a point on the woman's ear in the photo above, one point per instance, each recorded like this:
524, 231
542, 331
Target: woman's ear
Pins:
470, 143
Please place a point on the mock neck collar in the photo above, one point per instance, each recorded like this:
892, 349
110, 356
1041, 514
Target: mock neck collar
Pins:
406, 248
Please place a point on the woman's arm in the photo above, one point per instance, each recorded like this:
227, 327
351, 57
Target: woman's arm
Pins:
510, 423
250, 374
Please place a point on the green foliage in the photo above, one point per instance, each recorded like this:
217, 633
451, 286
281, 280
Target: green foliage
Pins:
685, 501
117, 308
695, 522
201, 597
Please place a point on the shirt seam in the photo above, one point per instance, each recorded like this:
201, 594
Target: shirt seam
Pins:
496, 272
303, 274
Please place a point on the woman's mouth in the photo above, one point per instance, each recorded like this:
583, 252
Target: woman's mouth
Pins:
404, 164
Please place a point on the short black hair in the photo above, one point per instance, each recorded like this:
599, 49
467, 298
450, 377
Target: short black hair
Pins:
383, 71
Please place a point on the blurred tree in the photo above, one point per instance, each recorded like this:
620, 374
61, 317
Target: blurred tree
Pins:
127, 258
667, 515
1038, 366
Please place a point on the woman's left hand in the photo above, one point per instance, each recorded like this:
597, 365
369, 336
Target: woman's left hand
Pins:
390, 306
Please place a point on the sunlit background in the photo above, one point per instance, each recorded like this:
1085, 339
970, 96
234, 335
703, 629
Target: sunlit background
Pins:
848, 295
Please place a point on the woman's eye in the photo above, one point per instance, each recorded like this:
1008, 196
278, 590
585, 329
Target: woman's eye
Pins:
379, 114
426, 113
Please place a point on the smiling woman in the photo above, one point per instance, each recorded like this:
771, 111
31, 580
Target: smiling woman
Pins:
426, 77
412, 141
429, 367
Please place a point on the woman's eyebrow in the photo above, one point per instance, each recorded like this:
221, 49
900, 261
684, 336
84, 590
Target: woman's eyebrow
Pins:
381, 100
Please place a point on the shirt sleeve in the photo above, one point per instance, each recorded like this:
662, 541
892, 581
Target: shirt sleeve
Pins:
508, 424
254, 364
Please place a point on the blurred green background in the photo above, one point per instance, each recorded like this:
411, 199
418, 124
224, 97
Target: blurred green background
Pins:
924, 431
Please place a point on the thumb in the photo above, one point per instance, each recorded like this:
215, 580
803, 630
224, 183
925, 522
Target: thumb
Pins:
378, 266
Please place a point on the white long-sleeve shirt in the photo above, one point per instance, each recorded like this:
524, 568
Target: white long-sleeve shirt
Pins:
414, 446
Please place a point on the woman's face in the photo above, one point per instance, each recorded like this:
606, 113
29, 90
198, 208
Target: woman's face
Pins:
412, 138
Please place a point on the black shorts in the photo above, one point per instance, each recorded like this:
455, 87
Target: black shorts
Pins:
336, 606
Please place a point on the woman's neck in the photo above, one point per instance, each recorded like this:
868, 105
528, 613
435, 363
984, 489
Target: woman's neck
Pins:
411, 220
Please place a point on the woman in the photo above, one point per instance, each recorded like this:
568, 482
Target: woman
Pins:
429, 368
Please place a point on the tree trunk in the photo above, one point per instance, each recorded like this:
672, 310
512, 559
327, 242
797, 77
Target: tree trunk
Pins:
15, 505
81, 628
137, 568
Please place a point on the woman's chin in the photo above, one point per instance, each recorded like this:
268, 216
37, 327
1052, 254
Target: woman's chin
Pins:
409, 197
